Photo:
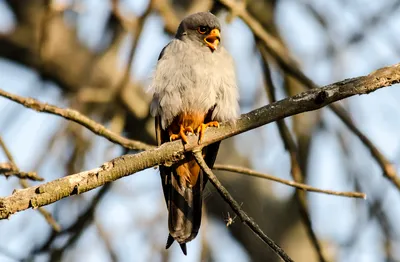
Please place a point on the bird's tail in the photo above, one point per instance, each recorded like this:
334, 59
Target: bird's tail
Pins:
185, 203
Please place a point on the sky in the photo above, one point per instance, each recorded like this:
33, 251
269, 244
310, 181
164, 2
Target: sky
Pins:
377, 114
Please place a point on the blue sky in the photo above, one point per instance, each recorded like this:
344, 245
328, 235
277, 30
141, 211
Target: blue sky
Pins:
128, 204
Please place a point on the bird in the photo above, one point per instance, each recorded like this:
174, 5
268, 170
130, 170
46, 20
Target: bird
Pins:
194, 87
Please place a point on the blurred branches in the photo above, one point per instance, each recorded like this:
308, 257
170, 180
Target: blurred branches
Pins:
278, 52
106, 97
51, 192
290, 145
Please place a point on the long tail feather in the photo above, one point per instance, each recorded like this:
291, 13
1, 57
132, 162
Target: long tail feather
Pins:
184, 201
185, 204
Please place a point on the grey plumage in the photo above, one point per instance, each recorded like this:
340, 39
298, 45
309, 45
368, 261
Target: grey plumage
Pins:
191, 78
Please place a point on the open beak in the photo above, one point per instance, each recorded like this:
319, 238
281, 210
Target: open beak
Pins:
212, 40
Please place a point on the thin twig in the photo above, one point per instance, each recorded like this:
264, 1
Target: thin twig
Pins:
236, 207
289, 65
7, 152
47, 216
250, 172
125, 165
8, 169
77, 117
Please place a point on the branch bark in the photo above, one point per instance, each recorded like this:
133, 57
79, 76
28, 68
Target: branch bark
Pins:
37, 196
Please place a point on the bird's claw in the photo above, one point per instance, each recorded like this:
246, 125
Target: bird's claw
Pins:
182, 134
202, 128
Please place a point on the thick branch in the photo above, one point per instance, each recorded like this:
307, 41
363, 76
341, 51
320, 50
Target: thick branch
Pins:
169, 152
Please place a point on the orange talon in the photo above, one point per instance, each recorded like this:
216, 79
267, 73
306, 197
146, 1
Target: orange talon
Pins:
181, 134
202, 128
189, 129
173, 137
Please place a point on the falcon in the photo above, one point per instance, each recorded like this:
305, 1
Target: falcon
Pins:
194, 87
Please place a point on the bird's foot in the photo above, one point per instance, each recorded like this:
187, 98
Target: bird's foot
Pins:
182, 134
202, 128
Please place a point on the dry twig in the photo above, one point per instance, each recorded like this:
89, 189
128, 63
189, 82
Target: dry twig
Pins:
76, 117
47, 216
9, 169
236, 207
250, 172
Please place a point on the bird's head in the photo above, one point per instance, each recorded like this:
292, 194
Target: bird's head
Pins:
201, 28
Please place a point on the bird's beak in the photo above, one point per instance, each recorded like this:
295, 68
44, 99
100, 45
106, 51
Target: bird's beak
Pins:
212, 39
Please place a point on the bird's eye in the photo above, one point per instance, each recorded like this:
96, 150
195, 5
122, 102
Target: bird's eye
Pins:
202, 29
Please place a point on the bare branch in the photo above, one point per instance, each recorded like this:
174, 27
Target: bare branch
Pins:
250, 172
238, 210
9, 169
47, 216
275, 48
77, 117
53, 191
291, 147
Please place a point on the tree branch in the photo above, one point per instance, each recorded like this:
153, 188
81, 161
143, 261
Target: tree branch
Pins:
236, 207
295, 171
9, 169
253, 173
47, 216
77, 117
287, 63
53, 191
